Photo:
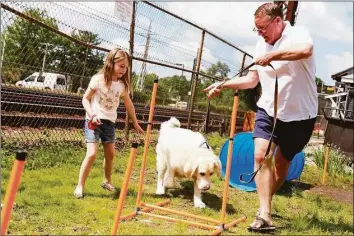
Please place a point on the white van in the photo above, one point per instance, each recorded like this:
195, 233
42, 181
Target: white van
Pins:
181, 105
44, 80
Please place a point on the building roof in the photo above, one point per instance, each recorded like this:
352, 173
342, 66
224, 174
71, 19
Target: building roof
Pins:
348, 79
337, 76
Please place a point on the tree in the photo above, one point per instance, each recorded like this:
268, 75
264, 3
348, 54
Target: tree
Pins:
24, 51
177, 87
149, 82
319, 84
318, 81
248, 98
81, 61
30, 48
220, 70
145, 95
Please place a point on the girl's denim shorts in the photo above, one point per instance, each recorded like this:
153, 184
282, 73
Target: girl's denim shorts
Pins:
105, 131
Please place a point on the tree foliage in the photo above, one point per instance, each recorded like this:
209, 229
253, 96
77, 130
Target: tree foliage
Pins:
31, 48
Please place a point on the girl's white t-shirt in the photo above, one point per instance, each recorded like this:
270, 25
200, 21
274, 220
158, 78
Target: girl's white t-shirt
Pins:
105, 101
297, 94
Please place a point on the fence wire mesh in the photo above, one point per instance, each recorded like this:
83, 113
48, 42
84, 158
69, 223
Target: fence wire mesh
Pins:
50, 50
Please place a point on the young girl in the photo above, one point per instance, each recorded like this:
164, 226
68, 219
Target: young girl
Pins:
101, 101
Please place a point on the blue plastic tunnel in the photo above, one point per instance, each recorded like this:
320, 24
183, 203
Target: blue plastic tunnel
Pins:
243, 161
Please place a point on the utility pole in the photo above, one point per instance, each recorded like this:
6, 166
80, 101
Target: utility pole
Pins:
180, 64
191, 83
291, 8
45, 56
143, 66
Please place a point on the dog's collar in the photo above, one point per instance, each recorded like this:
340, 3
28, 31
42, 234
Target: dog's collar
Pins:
207, 146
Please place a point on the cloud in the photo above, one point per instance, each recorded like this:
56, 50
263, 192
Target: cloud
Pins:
335, 64
226, 19
233, 21
331, 21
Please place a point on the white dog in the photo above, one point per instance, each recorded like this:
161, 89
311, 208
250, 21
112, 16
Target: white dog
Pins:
184, 153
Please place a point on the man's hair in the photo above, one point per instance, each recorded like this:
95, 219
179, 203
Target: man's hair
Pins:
269, 9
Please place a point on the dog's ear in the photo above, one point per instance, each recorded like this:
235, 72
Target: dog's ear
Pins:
217, 167
193, 169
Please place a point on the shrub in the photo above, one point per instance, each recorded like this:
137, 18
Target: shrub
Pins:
337, 162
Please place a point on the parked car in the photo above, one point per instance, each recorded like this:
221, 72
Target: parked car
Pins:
181, 105
45, 80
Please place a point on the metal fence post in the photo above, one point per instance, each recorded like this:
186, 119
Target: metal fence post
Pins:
131, 52
206, 129
195, 81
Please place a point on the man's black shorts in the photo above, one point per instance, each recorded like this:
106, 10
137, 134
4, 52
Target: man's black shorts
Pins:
291, 136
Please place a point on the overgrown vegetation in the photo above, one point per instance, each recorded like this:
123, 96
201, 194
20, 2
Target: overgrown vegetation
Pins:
45, 203
337, 162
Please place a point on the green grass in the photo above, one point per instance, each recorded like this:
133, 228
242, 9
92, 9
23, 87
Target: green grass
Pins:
45, 203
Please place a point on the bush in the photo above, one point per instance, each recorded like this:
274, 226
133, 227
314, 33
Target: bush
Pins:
337, 162
221, 109
144, 98
141, 97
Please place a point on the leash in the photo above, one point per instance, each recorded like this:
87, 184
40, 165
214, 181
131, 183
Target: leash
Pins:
249, 66
207, 145
253, 174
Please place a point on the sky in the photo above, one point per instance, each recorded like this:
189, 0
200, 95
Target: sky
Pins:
175, 42
329, 23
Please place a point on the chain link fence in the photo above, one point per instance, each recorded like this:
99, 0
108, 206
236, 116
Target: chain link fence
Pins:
50, 50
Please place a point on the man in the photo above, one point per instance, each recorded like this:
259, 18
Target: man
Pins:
290, 51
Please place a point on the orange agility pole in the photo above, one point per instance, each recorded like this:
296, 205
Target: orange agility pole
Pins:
11, 190
227, 174
147, 209
180, 213
325, 164
124, 189
146, 144
229, 157
200, 225
118, 217
143, 208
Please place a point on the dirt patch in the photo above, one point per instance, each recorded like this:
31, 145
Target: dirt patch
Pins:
338, 194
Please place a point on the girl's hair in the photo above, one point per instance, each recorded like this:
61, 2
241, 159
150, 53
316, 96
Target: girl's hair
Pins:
114, 56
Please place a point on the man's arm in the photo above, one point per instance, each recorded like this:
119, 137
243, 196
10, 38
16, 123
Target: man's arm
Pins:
244, 82
296, 52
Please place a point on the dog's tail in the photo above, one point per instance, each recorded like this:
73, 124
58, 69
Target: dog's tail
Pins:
173, 122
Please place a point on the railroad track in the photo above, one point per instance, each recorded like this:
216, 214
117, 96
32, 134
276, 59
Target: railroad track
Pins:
36, 108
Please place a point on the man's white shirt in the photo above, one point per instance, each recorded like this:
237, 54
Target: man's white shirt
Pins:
297, 91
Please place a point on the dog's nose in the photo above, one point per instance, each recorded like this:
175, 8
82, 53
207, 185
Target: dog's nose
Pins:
206, 188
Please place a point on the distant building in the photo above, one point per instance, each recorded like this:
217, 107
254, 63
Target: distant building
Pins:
340, 102
345, 76
339, 112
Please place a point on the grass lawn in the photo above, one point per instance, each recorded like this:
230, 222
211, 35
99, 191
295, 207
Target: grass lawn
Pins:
45, 203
